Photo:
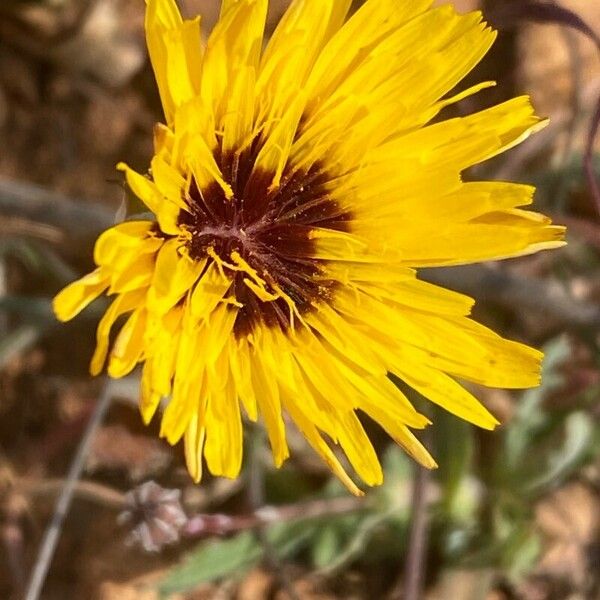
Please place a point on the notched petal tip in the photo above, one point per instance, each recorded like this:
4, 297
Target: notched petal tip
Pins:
485, 420
431, 465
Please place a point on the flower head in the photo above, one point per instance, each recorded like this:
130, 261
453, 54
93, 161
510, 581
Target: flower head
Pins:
296, 189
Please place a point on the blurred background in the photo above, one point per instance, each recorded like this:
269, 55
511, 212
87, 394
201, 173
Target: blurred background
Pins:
513, 514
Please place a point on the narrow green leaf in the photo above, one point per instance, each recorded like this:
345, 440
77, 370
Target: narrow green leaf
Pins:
522, 553
530, 417
214, 560
579, 434
454, 453
326, 547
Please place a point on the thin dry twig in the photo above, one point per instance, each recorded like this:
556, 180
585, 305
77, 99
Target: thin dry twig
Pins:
588, 161
256, 497
14, 226
414, 568
511, 13
30, 203
201, 525
52, 535
577, 98
84, 490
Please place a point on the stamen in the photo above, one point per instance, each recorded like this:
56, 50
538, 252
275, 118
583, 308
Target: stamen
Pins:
260, 291
242, 265
211, 252
263, 238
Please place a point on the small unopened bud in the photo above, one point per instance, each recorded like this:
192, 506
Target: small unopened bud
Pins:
155, 516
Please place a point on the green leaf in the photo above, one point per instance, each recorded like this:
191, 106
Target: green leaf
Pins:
579, 435
522, 553
358, 543
529, 417
214, 560
326, 547
454, 453
289, 538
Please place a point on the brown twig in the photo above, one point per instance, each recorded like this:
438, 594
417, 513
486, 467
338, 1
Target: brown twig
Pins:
256, 497
13, 226
588, 160
414, 568
83, 490
11, 534
510, 14
201, 525
52, 535
39, 207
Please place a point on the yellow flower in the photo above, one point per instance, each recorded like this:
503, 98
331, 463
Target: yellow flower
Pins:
297, 188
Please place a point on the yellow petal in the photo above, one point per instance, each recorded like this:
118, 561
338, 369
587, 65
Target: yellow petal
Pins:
174, 276
230, 65
224, 436
358, 449
447, 393
209, 291
129, 345
194, 438
166, 211
176, 53
239, 359
70, 301
313, 437
123, 303
189, 387
269, 404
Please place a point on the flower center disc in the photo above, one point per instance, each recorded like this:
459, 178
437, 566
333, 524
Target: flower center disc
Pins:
270, 229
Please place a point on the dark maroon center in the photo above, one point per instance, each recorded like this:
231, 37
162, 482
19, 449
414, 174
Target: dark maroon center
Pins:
270, 229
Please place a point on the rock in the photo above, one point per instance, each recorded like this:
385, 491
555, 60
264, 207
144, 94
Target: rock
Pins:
258, 584
102, 48
125, 591
570, 521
